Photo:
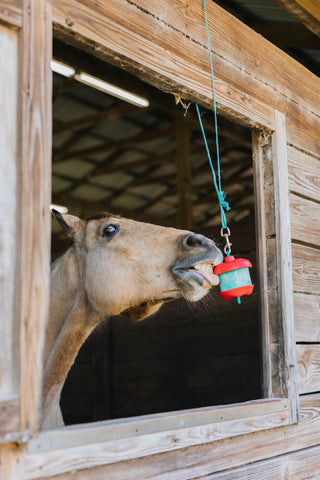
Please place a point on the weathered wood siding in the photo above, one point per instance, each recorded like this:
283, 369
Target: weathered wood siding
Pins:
304, 180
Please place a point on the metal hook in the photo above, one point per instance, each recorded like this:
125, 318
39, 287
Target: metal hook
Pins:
226, 235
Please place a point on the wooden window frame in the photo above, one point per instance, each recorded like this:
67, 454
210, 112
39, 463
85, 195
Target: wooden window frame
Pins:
85, 446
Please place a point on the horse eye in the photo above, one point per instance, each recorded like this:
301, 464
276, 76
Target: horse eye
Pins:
110, 230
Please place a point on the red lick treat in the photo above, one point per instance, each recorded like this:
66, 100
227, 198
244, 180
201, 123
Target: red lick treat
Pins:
234, 277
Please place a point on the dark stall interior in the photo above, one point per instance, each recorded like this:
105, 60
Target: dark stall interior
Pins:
149, 163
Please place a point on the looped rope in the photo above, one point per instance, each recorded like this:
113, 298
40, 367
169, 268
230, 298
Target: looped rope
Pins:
224, 205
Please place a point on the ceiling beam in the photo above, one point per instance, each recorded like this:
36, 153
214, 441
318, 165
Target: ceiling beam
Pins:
306, 11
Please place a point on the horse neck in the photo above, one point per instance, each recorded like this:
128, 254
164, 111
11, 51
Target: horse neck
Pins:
71, 321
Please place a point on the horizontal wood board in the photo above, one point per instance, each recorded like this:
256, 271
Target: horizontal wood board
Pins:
307, 317
304, 174
308, 360
11, 12
200, 460
305, 220
305, 269
185, 67
111, 451
300, 465
231, 40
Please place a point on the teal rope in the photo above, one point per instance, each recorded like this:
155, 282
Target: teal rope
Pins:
224, 205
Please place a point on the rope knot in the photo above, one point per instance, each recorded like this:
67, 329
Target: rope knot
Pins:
222, 202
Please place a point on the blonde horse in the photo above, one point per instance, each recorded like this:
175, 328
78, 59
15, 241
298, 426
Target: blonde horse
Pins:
114, 266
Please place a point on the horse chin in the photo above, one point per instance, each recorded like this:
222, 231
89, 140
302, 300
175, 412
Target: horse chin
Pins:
142, 311
194, 292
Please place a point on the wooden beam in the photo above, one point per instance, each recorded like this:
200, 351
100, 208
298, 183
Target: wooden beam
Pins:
11, 12
306, 11
34, 192
84, 209
146, 136
116, 111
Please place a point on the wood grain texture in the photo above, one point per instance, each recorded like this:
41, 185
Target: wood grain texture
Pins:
300, 465
305, 269
304, 174
261, 149
165, 44
305, 220
308, 359
231, 40
284, 265
9, 353
307, 317
204, 459
35, 195
173, 62
11, 12
55, 462
11, 462
9, 419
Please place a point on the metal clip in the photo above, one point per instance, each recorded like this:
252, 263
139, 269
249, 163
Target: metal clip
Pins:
226, 235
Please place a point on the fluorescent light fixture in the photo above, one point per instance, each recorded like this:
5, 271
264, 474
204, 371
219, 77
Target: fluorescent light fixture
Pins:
62, 69
59, 208
111, 89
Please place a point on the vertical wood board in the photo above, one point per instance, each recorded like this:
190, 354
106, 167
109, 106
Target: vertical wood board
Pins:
35, 197
284, 262
9, 354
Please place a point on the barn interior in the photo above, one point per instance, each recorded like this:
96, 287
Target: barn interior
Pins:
149, 163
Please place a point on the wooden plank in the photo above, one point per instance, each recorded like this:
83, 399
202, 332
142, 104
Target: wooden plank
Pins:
305, 269
302, 128
174, 63
306, 11
11, 12
304, 174
308, 359
34, 218
296, 466
307, 317
9, 381
54, 462
240, 46
11, 462
284, 264
260, 144
202, 460
9, 419
305, 220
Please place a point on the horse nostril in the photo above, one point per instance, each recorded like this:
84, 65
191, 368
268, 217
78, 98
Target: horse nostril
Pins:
194, 240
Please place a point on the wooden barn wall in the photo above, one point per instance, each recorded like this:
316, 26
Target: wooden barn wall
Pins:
164, 38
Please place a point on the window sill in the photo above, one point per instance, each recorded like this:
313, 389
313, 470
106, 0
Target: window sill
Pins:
88, 445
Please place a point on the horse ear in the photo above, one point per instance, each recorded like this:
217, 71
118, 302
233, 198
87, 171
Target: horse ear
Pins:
72, 225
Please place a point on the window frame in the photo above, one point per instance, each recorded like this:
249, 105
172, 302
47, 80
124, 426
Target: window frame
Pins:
57, 451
